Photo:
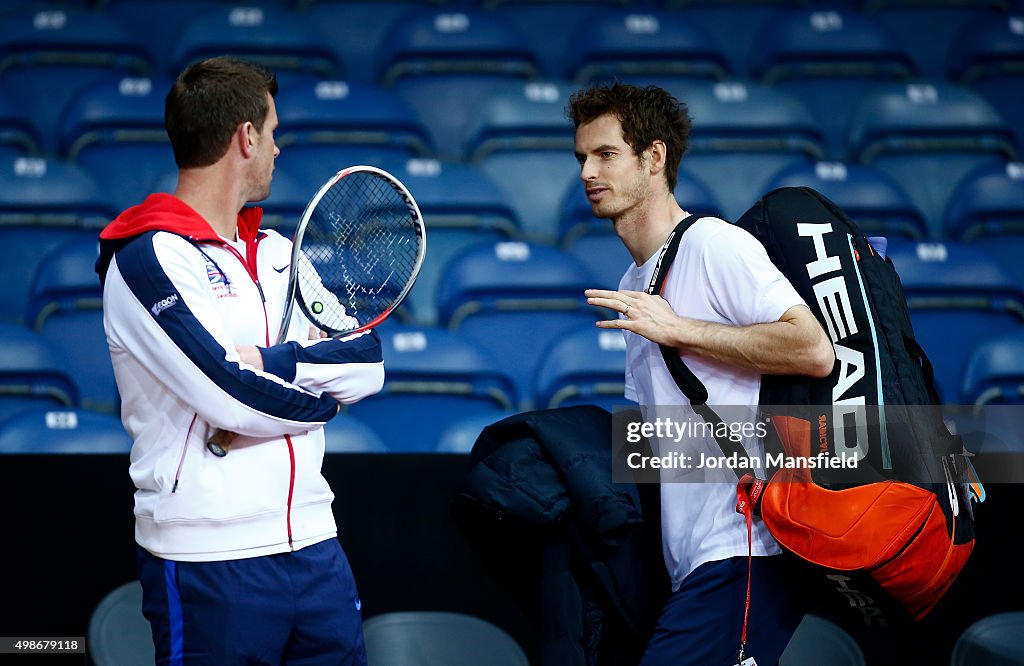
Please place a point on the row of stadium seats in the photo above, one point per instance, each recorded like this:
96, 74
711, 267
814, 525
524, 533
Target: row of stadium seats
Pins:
443, 63
923, 138
118, 634
381, 41
45, 204
968, 316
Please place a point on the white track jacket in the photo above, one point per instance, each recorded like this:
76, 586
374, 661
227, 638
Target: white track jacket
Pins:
177, 299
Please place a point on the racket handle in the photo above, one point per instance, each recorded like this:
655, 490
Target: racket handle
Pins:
220, 443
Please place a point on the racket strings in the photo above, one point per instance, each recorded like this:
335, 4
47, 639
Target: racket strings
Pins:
361, 246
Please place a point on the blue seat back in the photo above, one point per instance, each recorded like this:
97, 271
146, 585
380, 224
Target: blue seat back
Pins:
43, 203
870, 197
928, 136
958, 297
990, 641
33, 373
442, 42
605, 257
512, 299
115, 130
347, 434
521, 116
586, 366
460, 436
990, 47
66, 308
278, 39
462, 207
546, 24
988, 202
358, 29
445, 63
995, 372
348, 113
17, 134
617, 43
59, 431
822, 56
930, 31
744, 133
434, 377
52, 53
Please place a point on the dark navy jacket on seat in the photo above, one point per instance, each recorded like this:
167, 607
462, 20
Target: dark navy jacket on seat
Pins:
583, 554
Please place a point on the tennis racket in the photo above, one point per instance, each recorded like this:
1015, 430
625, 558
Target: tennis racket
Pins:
356, 254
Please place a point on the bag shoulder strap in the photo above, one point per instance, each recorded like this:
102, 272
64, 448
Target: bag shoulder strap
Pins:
692, 387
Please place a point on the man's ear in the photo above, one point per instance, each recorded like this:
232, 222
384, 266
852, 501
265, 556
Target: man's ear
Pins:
658, 154
246, 137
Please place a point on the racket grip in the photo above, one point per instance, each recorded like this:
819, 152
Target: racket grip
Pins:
220, 442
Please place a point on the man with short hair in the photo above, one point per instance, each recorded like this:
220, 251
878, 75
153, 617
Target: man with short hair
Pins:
238, 555
732, 316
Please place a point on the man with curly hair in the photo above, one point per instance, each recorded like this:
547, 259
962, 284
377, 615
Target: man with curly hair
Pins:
732, 316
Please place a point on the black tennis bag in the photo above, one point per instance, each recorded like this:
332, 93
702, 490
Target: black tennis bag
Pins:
887, 538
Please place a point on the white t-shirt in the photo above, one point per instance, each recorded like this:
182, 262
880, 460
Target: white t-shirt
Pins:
721, 274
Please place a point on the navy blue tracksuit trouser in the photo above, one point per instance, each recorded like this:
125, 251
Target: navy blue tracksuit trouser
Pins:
701, 623
297, 608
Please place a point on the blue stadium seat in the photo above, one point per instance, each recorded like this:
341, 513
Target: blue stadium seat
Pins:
819, 641
115, 130
871, 198
828, 59
444, 63
988, 202
17, 135
32, 373
326, 113
312, 165
743, 134
358, 29
987, 210
584, 367
521, 138
635, 42
43, 203
141, 17
958, 297
460, 436
605, 257
928, 136
995, 372
577, 218
991, 641
434, 378
49, 54
278, 39
732, 25
56, 431
66, 308
347, 434
462, 207
546, 24
989, 56
513, 299
929, 29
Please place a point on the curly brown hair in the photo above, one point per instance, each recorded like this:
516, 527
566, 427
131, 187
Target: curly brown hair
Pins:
647, 115
208, 102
